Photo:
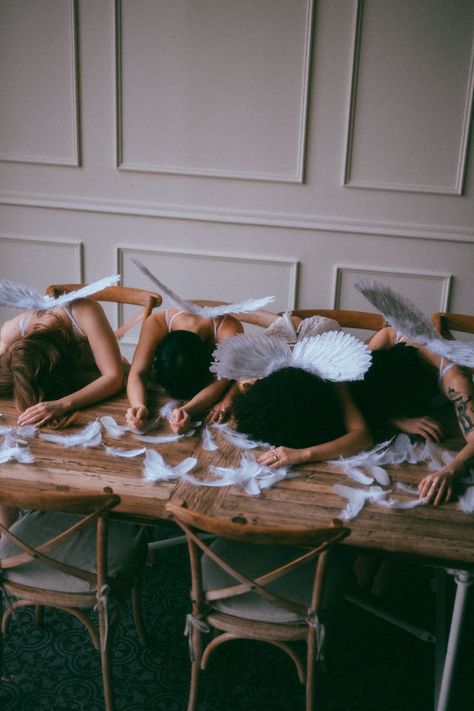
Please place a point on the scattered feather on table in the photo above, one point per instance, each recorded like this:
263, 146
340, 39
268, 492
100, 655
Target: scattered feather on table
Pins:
236, 438
163, 439
167, 409
250, 475
356, 498
127, 453
20, 454
208, 442
90, 436
112, 427
466, 501
156, 469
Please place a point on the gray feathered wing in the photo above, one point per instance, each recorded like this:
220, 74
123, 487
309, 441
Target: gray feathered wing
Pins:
407, 318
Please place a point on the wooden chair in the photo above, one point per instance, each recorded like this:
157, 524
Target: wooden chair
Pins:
118, 294
52, 556
255, 582
346, 318
446, 322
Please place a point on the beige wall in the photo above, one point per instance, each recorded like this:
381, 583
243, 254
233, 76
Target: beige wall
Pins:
240, 148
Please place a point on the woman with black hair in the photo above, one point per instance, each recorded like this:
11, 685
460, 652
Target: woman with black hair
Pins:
175, 349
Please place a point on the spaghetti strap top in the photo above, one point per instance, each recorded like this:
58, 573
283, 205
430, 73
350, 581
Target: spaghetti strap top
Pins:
444, 366
169, 322
78, 333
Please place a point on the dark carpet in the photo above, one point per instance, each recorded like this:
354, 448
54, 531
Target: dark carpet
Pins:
371, 665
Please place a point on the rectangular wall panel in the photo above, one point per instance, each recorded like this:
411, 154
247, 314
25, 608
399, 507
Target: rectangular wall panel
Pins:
217, 88
211, 276
38, 82
38, 263
411, 100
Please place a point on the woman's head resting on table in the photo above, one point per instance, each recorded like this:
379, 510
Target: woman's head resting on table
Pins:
290, 407
182, 363
39, 366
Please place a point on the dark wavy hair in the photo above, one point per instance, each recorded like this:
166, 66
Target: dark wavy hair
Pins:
40, 366
182, 363
291, 408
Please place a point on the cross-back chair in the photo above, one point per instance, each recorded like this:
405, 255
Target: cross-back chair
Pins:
255, 582
446, 322
120, 295
64, 553
346, 318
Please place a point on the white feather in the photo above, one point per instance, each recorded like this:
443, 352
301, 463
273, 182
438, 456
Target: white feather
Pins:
160, 439
20, 454
379, 474
250, 475
405, 317
205, 311
20, 296
167, 409
127, 453
208, 441
333, 355
156, 469
391, 503
112, 427
236, 438
466, 501
411, 489
90, 436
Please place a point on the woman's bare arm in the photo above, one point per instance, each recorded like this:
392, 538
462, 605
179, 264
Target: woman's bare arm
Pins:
153, 331
93, 322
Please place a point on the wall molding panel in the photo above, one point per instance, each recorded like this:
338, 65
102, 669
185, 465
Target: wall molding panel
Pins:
249, 134
210, 275
435, 287
414, 146
40, 126
358, 228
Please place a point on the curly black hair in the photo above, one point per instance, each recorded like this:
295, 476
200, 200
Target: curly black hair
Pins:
290, 407
182, 363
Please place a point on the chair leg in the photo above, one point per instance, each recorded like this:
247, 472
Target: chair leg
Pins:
310, 669
39, 609
137, 612
105, 662
196, 645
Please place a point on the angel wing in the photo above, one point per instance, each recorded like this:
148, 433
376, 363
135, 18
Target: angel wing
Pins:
20, 296
405, 317
206, 311
245, 356
333, 355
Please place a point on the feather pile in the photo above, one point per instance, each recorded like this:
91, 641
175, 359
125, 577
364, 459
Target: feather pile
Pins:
156, 469
205, 311
408, 320
250, 475
333, 355
19, 296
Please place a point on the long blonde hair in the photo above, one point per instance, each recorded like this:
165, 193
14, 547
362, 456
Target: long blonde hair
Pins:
40, 366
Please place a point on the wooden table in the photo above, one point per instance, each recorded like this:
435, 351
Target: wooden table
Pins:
442, 536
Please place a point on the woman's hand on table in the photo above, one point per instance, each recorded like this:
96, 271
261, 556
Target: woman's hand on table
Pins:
423, 426
180, 420
437, 487
281, 457
42, 412
137, 416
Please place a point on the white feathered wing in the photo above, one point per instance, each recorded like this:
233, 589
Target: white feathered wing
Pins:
20, 296
407, 318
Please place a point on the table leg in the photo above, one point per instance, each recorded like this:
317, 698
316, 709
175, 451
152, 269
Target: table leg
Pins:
463, 580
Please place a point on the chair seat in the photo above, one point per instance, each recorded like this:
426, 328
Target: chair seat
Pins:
252, 561
127, 550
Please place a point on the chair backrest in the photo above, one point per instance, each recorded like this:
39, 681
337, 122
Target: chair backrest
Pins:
446, 322
117, 294
346, 318
93, 510
313, 544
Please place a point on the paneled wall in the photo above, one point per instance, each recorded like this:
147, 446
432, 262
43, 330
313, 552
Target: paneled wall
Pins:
240, 148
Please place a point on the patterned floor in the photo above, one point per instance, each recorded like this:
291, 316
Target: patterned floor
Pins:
371, 666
